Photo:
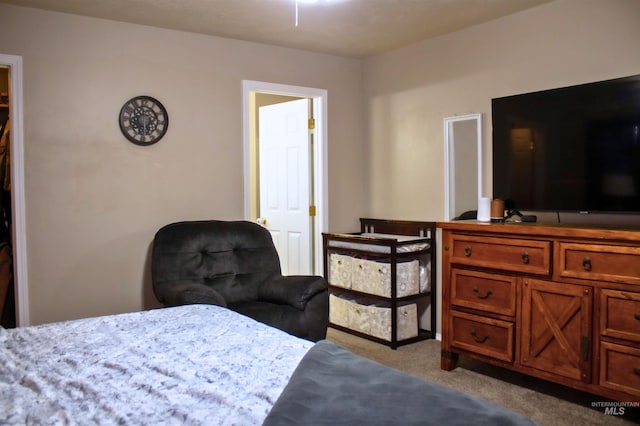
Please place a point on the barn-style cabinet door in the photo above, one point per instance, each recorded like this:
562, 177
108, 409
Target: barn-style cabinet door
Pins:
556, 328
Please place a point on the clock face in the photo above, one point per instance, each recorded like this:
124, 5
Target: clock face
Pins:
143, 120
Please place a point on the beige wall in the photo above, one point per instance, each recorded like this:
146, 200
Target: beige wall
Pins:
94, 200
408, 92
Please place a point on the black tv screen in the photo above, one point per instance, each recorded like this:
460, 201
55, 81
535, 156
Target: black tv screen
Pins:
573, 149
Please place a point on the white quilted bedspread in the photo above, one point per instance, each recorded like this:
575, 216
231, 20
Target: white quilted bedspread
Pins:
190, 365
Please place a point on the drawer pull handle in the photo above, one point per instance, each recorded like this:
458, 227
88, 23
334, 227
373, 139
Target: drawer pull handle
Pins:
525, 258
637, 316
636, 371
478, 339
487, 294
586, 263
467, 251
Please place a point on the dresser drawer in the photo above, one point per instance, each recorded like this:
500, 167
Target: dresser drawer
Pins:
620, 368
509, 254
483, 291
484, 336
599, 262
620, 314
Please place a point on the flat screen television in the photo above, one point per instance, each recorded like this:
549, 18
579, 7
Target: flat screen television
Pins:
572, 149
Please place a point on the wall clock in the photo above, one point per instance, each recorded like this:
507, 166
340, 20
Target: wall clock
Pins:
143, 120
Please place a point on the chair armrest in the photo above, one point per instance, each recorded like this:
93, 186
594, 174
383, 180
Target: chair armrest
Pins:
190, 293
294, 290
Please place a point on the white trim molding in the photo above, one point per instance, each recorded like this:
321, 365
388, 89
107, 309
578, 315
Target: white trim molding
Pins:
17, 189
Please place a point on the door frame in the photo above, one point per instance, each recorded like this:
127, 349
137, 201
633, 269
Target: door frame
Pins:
320, 178
19, 249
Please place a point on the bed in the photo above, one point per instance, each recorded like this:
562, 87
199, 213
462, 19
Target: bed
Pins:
203, 365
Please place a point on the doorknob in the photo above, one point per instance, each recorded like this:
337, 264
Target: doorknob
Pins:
261, 221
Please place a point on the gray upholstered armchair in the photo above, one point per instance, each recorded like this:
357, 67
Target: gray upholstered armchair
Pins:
235, 264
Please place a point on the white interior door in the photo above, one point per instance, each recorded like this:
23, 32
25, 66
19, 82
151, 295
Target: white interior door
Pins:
285, 182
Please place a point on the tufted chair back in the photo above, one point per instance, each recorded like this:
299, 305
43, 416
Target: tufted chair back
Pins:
235, 264
232, 258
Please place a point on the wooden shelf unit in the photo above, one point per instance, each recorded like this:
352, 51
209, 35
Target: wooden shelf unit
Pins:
425, 233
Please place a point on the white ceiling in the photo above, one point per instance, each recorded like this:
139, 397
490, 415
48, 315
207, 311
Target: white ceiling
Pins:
354, 28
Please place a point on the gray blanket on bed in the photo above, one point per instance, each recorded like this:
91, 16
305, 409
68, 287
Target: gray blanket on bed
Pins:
332, 386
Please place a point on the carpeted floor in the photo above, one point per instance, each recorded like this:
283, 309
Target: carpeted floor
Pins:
545, 403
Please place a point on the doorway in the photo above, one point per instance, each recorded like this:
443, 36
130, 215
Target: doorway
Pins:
13, 65
284, 180
315, 168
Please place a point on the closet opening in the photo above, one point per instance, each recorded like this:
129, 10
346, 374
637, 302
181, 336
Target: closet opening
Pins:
7, 288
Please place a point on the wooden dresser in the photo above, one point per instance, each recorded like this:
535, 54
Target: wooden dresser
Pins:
553, 301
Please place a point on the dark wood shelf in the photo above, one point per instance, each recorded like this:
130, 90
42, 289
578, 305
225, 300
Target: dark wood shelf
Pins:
424, 232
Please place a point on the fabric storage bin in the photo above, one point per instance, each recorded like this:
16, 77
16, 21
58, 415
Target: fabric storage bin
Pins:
425, 274
360, 314
359, 318
374, 277
347, 311
380, 321
339, 309
340, 270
